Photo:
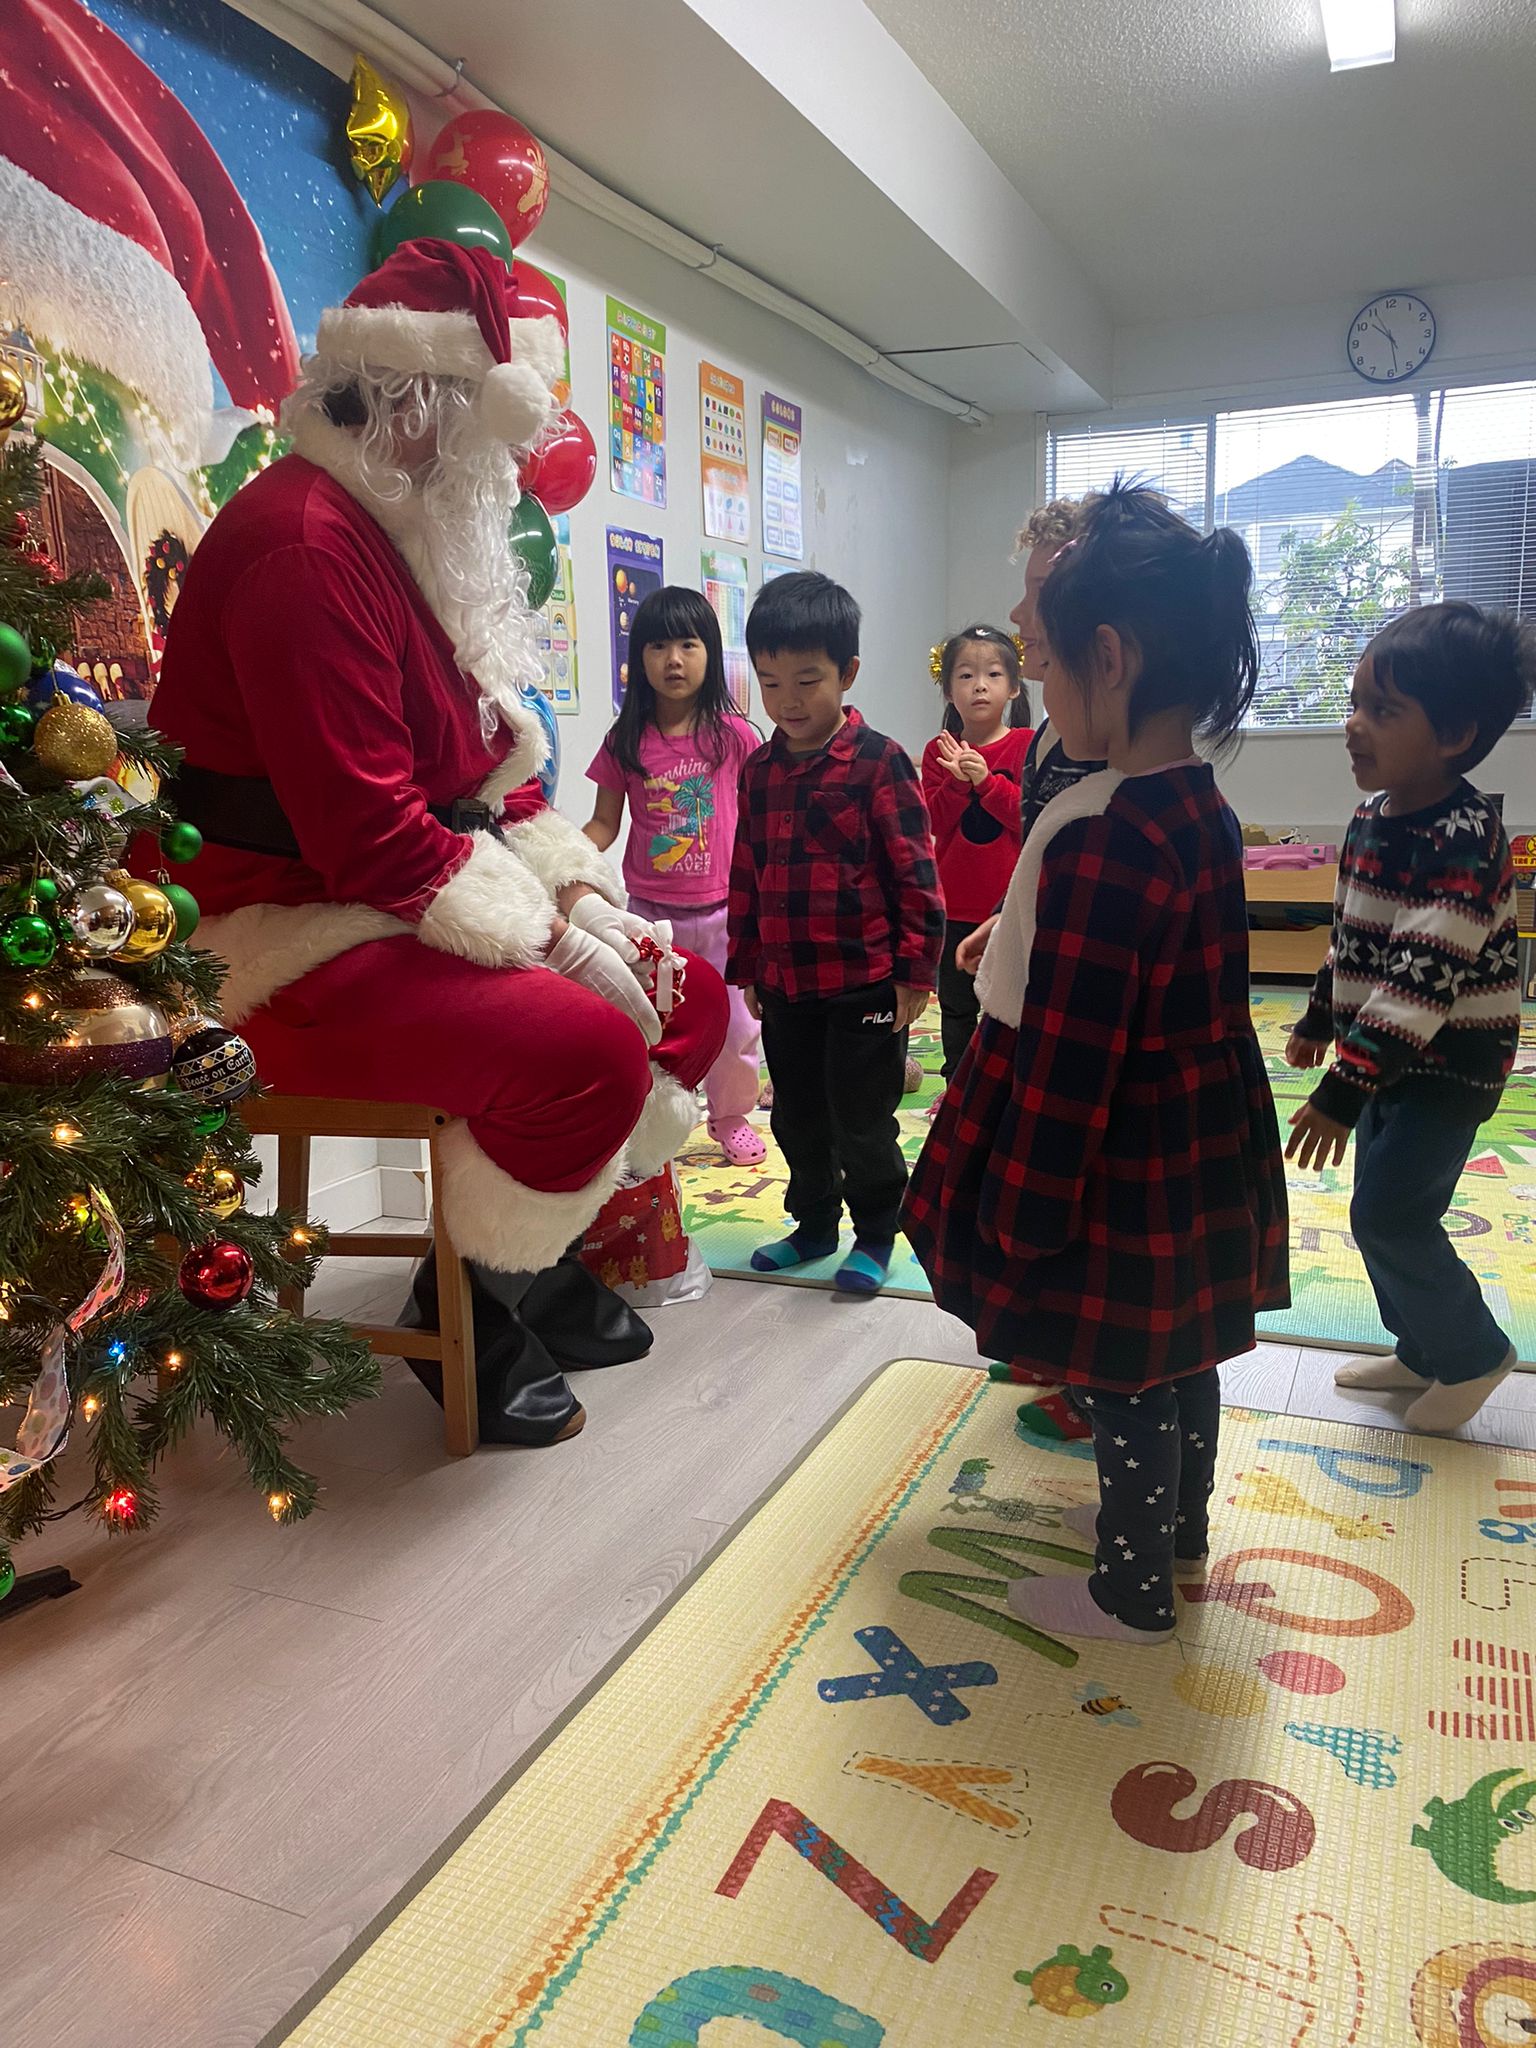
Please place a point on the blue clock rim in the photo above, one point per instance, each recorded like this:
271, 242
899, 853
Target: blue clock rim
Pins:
1375, 299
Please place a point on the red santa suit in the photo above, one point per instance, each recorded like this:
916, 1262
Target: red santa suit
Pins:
396, 957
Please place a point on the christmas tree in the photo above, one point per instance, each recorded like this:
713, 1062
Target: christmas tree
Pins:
136, 1290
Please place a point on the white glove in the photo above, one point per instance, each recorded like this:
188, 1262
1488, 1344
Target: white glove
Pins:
584, 959
616, 928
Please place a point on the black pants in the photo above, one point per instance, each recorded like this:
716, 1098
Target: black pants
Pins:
958, 1008
1156, 1454
837, 1069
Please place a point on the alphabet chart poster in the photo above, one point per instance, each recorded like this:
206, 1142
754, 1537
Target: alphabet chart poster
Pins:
723, 455
637, 412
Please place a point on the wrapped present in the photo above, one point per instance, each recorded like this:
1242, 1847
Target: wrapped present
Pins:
636, 1244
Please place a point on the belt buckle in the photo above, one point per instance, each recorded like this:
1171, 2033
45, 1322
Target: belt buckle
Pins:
466, 814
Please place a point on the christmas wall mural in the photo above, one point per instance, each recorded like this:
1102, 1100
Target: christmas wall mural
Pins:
176, 207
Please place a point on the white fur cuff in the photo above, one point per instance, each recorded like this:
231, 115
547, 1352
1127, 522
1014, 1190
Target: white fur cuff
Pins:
498, 1221
559, 853
667, 1122
492, 911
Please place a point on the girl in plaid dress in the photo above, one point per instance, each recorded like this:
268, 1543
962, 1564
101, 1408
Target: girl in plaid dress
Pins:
1103, 1195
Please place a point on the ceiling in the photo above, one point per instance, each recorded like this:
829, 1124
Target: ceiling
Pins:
1197, 156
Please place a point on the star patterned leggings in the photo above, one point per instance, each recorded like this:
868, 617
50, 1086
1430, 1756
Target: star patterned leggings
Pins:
1156, 1454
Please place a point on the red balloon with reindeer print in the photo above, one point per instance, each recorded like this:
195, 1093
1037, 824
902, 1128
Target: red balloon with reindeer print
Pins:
561, 469
495, 156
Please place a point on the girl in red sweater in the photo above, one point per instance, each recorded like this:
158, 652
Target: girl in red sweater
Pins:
971, 782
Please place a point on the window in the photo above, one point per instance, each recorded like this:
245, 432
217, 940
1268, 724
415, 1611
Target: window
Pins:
1352, 512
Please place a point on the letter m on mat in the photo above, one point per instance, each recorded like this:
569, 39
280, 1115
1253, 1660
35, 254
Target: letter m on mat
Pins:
925, 1939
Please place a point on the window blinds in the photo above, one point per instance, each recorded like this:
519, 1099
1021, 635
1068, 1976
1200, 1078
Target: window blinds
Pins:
1351, 512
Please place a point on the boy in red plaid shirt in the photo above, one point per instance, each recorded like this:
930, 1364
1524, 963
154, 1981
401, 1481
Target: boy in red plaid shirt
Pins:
836, 923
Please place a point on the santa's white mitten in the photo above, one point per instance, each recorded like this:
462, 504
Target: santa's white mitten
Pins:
619, 929
582, 958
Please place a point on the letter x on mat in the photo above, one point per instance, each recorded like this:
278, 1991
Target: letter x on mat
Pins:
902, 1675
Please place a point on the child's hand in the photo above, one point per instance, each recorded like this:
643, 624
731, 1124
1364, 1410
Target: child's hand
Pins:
910, 1005
1316, 1140
969, 951
754, 1007
1305, 1052
950, 751
971, 766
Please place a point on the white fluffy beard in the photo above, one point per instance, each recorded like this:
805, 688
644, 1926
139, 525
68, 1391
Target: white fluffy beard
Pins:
448, 517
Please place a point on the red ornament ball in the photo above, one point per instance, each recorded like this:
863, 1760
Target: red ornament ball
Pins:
216, 1275
495, 156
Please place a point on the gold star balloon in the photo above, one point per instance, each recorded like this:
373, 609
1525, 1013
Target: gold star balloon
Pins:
378, 130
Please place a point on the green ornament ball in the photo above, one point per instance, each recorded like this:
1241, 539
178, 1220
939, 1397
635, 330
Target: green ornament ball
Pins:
17, 723
45, 892
16, 656
446, 213
533, 541
211, 1121
181, 842
184, 903
27, 940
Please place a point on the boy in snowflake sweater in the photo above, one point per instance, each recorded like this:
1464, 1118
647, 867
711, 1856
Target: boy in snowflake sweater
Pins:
1419, 997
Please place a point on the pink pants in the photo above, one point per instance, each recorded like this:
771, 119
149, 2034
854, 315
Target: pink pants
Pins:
731, 1085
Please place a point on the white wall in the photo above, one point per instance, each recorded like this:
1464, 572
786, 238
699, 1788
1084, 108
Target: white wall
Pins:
876, 476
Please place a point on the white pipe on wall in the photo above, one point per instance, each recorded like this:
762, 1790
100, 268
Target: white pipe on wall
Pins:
331, 30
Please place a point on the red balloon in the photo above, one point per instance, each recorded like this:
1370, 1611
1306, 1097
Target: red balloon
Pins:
536, 297
495, 156
560, 471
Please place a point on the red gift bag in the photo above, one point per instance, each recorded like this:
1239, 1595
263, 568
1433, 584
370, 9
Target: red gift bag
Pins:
636, 1244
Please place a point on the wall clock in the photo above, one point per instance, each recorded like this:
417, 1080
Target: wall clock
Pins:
1391, 337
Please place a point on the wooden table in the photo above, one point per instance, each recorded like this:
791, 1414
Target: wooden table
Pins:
1299, 952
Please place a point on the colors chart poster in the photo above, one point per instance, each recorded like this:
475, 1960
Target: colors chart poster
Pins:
637, 412
723, 455
725, 592
783, 526
634, 571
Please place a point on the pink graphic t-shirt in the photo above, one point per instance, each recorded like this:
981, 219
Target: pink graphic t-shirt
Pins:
682, 813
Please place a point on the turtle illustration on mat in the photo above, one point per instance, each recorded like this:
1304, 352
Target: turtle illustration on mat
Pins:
1072, 1985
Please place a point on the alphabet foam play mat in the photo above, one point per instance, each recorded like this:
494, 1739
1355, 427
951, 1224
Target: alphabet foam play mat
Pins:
838, 1796
728, 1210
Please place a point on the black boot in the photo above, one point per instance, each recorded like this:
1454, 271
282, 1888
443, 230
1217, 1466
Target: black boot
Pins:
523, 1396
581, 1322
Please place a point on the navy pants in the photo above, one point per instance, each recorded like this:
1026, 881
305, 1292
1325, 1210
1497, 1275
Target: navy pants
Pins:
1410, 1149
1156, 1454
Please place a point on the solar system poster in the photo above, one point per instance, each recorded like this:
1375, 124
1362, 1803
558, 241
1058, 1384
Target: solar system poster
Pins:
634, 571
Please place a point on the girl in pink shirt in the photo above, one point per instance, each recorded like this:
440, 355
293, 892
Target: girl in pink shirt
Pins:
675, 755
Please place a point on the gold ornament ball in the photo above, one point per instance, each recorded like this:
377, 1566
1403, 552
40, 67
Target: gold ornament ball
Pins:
220, 1188
73, 741
154, 921
13, 397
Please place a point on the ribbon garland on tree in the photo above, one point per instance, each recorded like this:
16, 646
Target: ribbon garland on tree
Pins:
45, 1426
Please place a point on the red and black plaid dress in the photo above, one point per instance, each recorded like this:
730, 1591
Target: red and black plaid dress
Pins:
1102, 1195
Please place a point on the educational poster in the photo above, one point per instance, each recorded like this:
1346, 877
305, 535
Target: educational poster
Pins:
725, 592
783, 527
723, 455
634, 571
773, 570
637, 413
557, 643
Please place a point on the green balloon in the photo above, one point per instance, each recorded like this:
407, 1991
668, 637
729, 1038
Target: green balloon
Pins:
447, 213
15, 659
533, 540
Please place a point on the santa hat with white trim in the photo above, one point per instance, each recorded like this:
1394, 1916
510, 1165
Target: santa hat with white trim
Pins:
124, 243
438, 310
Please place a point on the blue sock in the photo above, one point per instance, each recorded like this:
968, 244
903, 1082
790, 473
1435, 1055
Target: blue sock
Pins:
800, 1248
865, 1268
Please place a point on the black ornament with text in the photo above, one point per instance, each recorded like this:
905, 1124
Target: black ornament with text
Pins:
214, 1065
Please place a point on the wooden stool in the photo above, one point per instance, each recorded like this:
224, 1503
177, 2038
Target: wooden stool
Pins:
296, 1119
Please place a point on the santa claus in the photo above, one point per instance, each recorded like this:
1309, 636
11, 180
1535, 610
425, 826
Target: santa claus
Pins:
349, 670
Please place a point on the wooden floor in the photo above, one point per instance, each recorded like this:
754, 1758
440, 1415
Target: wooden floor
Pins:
225, 1754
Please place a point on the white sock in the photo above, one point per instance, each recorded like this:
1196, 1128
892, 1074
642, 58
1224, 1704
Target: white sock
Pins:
1380, 1375
1450, 1403
1065, 1607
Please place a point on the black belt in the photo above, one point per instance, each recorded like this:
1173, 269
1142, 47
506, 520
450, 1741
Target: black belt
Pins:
242, 811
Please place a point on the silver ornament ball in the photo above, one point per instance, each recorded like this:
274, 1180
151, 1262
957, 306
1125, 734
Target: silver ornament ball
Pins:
112, 1029
100, 920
